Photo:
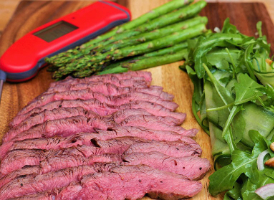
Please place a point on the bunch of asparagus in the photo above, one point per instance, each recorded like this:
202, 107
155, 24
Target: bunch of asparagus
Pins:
155, 38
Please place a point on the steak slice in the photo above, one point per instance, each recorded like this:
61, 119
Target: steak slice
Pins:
146, 76
86, 139
58, 159
88, 94
31, 184
52, 143
133, 182
130, 82
134, 82
156, 123
154, 109
67, 157
59, 113
101, 109
134, 144
111, 146
73, 189
192, 167
26, 170
37, 196
49, 115
17, 159
62, 127
54, 163
174, 149
110, 89
121, 115
93, 105
73, 125
144, 133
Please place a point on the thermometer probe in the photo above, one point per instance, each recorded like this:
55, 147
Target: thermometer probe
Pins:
25, 57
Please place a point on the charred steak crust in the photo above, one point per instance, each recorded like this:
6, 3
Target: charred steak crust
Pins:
103, 137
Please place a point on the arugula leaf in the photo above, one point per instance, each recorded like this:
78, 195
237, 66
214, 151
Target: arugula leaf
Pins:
247, 61
220, 59
225, 178
227, 133
224, 94
206, 45
229, 28
259, 28
234, 193
246, 89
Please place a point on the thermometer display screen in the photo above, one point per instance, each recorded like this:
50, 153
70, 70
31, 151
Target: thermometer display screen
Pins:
55, 31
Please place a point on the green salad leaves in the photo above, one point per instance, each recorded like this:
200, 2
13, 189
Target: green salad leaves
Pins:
233, 102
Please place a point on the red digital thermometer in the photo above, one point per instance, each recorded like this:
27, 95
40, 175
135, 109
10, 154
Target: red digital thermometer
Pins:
26, 56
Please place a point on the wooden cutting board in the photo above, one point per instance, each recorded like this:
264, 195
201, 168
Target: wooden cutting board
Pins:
31, 14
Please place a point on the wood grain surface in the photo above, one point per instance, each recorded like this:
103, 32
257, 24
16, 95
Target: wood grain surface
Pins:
31, 14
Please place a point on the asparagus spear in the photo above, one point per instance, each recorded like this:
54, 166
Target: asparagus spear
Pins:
168, 50
159, 11
155, 33
94, 63
164, 56
149, 46
161, 52
139, 64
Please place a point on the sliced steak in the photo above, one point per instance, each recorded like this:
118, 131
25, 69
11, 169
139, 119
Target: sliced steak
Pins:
133, 182
134, 144
138, 96
73, 125
31, 184
109, 77
37, 196
86, 139
26, 170
73, 189
130, 82
144, 133
59, 113
135, 83
54, 163
121, 115
93, 105
101, 109
110, 90
154, 109
192, 167
52, 143
112, 146
88, 94
156, 123
174, 149
16, 159
62, 127
49, 115
68, 157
